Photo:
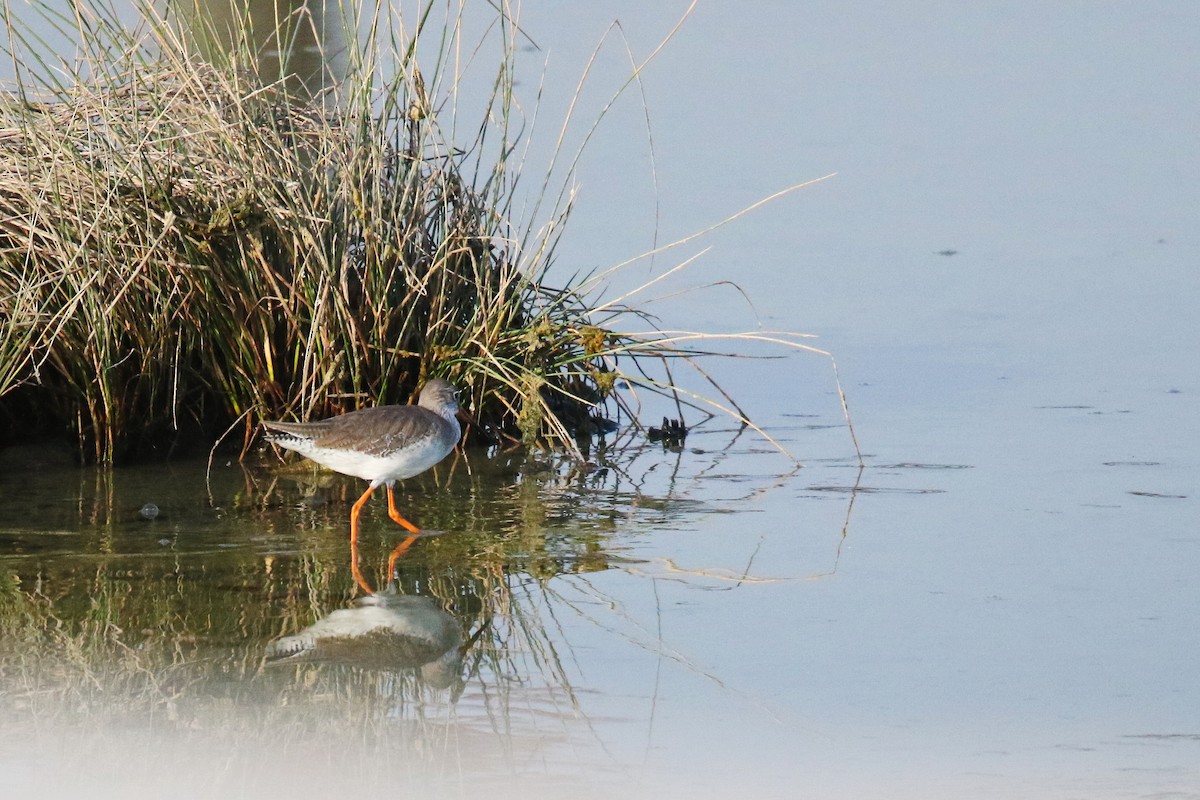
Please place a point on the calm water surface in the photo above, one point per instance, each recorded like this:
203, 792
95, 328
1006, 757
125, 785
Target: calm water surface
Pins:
1001, 604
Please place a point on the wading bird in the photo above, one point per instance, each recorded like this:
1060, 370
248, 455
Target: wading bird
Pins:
381, 445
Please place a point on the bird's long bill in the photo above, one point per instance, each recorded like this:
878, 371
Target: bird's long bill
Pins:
465, 417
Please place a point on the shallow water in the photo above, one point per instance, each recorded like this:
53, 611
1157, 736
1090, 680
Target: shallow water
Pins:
1002, 603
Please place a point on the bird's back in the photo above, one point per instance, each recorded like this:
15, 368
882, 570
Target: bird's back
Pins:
378, 444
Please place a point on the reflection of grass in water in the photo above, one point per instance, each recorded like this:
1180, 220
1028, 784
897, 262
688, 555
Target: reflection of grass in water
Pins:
56, 659
129, 642
136, 673
122, 638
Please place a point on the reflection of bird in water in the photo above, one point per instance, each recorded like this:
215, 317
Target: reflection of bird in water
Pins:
382, 444
385, 631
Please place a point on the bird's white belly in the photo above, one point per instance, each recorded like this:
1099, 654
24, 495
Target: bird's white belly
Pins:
413, 459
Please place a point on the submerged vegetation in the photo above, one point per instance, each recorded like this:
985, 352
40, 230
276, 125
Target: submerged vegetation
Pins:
188, 246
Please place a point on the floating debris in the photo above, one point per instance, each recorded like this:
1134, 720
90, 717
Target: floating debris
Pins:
672, 432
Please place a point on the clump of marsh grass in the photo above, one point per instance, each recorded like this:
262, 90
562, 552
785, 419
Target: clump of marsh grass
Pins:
184, 246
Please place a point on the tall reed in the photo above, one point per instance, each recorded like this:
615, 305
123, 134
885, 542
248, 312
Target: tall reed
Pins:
186, 246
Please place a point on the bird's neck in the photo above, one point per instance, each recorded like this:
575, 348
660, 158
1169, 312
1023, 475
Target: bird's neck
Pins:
452, 418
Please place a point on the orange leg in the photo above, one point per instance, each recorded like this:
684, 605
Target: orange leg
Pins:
356, 572
395, 515
354, 512
399, 550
